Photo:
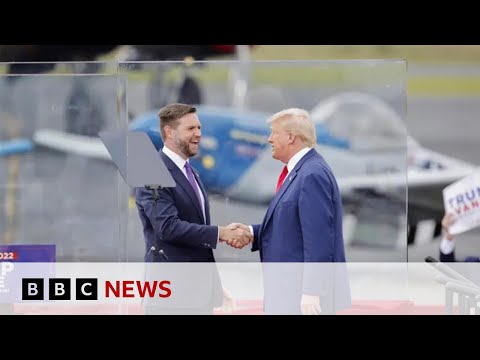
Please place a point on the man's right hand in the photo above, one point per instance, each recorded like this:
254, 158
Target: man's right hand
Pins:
236, 237
234, 226
238, 243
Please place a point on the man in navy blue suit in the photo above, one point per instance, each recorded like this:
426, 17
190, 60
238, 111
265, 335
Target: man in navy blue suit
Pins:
176, 221
303, 224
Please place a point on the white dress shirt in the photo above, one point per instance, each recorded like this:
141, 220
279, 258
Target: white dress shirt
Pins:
296, 158
180, 162
447, 246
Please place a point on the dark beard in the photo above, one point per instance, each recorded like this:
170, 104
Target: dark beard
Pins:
184, 148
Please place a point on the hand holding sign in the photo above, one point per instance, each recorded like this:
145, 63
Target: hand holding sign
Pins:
447, 221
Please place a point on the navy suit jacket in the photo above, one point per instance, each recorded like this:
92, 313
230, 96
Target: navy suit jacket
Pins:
304, 220
303, 224
447, 257
175, 223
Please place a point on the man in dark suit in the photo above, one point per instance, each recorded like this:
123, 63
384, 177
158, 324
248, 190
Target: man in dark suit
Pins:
176, 221
303, 224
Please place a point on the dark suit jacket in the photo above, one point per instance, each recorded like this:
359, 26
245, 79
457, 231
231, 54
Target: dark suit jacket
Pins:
175, 224
447, 257
451, 258
303, 224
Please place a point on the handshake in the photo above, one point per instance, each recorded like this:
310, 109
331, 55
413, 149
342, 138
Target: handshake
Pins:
236, 235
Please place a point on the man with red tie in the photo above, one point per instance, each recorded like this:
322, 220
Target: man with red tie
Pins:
303, 223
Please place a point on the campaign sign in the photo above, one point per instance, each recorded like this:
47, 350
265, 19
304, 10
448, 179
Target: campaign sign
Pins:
10, 279
27, 253
462, 199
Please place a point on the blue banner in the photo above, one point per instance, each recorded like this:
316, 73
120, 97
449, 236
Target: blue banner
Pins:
27, 253
11, 278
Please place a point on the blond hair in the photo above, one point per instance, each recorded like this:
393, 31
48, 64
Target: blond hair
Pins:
298, 122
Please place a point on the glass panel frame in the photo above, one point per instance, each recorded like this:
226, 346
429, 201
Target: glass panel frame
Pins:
235, 98
58, 187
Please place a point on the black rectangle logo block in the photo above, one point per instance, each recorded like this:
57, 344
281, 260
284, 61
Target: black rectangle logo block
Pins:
86, 289
32, 289
59, 289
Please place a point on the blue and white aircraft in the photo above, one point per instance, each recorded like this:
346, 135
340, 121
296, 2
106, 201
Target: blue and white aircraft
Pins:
362, 138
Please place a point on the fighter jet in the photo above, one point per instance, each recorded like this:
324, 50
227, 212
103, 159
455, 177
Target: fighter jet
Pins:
377, 164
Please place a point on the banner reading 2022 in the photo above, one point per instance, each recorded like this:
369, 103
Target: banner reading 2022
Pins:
10, 277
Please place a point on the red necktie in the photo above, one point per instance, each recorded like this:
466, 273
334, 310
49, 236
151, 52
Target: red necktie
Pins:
282, 177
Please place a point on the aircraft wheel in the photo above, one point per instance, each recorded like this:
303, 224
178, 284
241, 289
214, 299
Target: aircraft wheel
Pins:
412, 231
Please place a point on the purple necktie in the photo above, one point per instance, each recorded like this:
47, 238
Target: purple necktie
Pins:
191, 180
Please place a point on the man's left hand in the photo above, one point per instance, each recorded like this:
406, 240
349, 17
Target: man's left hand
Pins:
310, 305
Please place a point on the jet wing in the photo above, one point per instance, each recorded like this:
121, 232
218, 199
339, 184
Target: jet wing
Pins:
425, 185
414, 178
72, 143
426, 169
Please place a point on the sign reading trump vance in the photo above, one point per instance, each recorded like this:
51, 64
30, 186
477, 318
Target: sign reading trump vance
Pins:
462, 199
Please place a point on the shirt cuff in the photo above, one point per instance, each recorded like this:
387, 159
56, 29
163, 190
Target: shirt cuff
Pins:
251, 230
447, 246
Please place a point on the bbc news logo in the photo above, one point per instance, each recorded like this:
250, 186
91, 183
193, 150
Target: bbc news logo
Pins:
59, 289
87, 289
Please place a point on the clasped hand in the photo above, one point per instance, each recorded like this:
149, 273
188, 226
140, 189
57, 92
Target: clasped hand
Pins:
236, 235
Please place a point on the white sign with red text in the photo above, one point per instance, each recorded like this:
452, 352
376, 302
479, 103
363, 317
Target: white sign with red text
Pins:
462, 199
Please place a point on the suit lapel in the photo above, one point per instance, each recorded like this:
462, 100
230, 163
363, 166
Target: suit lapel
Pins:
288, 180
278, 196
180, 179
